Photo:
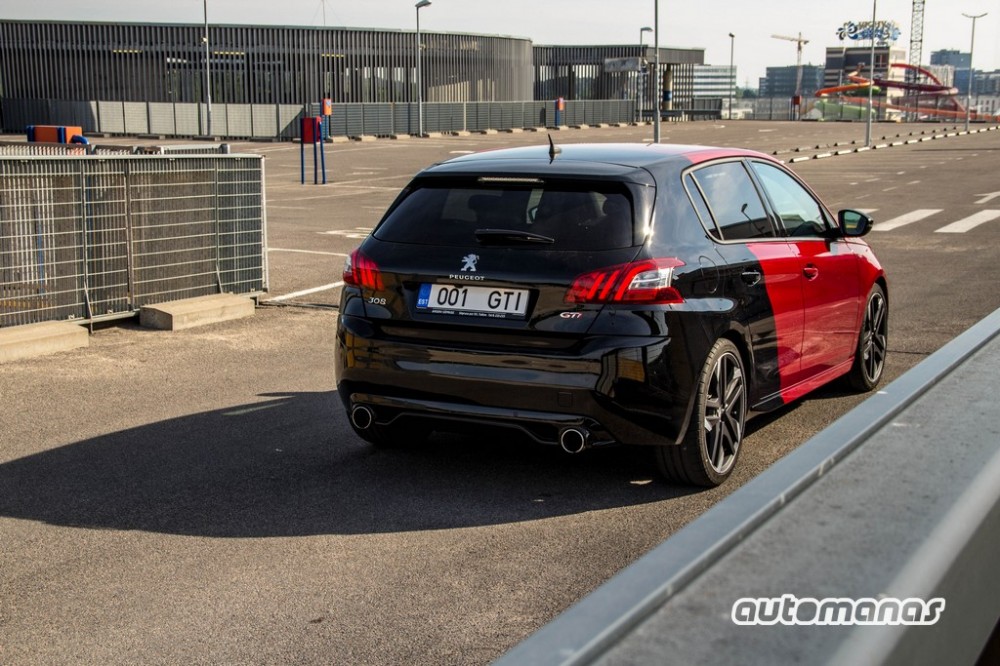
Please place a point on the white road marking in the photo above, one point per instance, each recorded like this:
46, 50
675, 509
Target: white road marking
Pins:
987, 197
306, 292
282, 249
971, 222
908, 218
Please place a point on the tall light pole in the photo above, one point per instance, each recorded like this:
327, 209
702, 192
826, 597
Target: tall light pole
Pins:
871, 78
732, 73
968, 90
642, 87
420, 84
656, 71
208, 73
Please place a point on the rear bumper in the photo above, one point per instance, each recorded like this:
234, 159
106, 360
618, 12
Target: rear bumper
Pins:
620, 389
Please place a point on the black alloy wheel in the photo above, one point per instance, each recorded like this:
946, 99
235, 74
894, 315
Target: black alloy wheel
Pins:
873, 343
712, 444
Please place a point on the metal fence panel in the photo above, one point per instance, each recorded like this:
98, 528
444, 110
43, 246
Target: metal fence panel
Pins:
19, 113
136, 117
282, 121
449, 116
172, 206
220, 120
536, 114
477, 116
289, 117
355, 119
239, 120
264, 120
98, 237
78, 114
575, 112
36, 148
41, 242
404, 118
187, 118
378, 119
241, 226
111, 117
105, 209
161, 118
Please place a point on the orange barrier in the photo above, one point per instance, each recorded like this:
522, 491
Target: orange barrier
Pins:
53, 133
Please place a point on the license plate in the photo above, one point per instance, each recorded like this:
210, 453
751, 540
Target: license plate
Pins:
472, 300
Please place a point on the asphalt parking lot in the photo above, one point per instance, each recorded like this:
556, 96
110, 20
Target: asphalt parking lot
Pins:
199, 497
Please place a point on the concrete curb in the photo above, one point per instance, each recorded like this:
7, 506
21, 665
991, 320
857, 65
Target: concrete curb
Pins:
48, 337
199, 311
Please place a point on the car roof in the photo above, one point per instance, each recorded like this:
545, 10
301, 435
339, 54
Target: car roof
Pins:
633, 162
635, 155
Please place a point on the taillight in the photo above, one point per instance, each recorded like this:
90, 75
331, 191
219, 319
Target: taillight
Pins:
360, 271
647, 281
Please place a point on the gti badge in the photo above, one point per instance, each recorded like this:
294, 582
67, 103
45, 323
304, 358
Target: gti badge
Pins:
470, 262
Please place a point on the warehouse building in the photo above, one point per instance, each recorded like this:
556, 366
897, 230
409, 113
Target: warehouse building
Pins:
87, 70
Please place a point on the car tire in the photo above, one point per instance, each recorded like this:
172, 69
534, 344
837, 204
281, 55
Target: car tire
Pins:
711, 446
869, 357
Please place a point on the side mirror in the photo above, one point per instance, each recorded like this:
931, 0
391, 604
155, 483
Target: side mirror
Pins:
854, 223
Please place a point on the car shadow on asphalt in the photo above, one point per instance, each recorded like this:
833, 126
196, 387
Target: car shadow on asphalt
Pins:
290, 466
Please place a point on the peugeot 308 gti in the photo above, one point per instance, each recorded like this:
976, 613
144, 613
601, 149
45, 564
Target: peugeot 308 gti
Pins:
613, 293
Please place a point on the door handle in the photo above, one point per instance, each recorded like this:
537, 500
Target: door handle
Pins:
751, 278
810, 272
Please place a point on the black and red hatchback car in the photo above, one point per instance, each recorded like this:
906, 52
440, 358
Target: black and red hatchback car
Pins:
608, 293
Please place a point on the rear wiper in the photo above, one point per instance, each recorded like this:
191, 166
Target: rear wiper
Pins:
501, 236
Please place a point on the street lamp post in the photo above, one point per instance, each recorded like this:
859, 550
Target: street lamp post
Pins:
656, 71
642, 80
871, 77
208, 73
972, 45
420, 84
732, 73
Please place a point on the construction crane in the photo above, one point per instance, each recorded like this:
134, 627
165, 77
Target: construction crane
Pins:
799, 41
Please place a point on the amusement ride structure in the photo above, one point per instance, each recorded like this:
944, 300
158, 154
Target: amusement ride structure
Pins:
923, 94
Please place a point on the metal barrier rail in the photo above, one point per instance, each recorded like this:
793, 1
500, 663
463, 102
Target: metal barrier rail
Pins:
11, 148
898, 499
263, 121
87, 238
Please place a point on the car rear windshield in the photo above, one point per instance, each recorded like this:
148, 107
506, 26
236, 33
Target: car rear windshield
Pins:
562, 215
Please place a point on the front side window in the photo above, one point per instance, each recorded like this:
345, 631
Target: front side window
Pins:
800, 214
733, 201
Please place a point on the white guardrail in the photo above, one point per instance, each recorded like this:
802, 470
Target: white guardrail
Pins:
897, 500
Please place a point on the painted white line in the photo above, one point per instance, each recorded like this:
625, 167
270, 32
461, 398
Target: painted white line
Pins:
330, 254
306, 292
970, 222
903, 220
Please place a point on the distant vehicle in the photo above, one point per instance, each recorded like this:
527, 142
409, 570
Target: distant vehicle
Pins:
609, 293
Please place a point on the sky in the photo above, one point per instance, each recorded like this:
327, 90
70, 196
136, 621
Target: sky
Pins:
683, 23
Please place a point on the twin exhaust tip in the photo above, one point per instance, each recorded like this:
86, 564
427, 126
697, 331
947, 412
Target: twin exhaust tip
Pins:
572, 440
362, 417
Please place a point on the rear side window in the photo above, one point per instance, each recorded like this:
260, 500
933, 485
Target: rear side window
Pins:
576, 216
733, 201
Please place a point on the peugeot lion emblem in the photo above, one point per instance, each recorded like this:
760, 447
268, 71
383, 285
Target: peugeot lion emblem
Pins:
470, 262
